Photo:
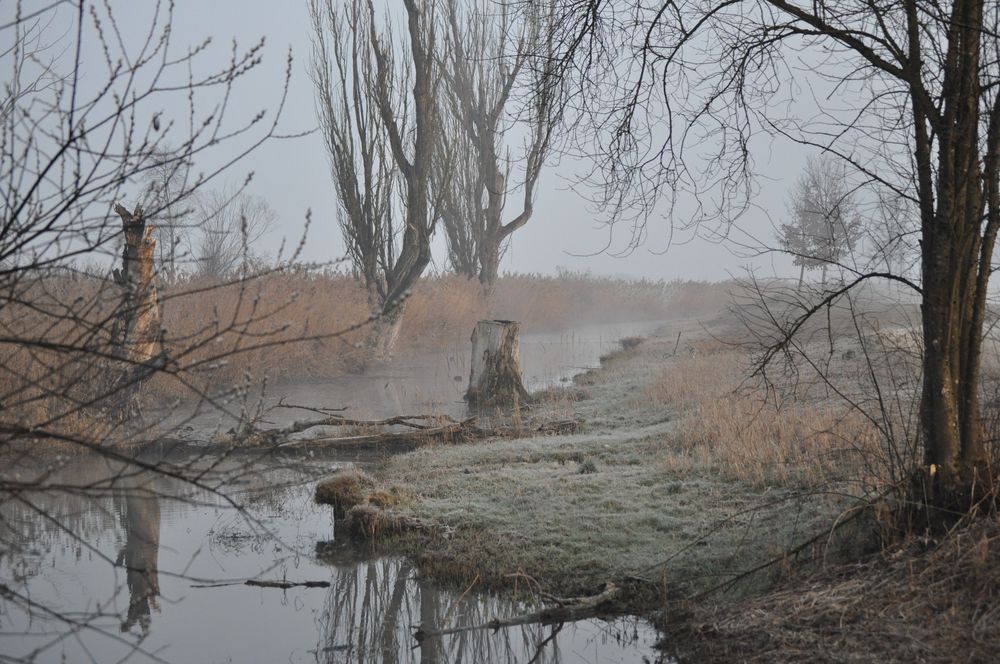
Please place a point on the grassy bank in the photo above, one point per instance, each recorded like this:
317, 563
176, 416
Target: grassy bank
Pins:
651, 493
685, 478
917, 601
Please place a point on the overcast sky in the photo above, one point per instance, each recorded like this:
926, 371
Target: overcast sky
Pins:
564, 232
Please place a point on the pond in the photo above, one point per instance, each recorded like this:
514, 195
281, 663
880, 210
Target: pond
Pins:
108, 562
423, 384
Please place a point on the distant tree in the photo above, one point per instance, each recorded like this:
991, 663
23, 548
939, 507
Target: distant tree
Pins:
230, 223
377, 97
892, 233
493, 54
825, 223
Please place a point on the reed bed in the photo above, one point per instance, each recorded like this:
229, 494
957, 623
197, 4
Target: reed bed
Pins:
288, 325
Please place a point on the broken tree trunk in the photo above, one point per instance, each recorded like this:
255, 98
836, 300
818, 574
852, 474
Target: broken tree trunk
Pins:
135, 334
495, 378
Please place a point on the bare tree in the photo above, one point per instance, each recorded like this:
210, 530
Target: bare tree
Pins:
83, 126
377, 99
493, 54
891, 233
231, 222
826, 224
926, 124
135, 331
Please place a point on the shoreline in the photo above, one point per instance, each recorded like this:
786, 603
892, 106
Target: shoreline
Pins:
569, 513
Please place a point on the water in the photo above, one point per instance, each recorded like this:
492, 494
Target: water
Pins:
105, 564
428, 383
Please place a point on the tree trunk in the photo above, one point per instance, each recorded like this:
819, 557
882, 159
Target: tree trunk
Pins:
135, 334
489, 264
385, 333
956, 265
495, 377
142, 545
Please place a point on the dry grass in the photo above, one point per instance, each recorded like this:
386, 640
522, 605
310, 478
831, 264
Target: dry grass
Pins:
290, 326
917, 602
344, 490
727, 426
296, 321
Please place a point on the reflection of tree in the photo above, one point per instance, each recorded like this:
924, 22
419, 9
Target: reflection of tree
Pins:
141, 519
373, 606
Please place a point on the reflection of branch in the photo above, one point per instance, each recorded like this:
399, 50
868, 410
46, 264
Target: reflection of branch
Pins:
540, 648
582, 607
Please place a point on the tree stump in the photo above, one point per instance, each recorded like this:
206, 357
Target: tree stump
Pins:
495, 377
135, 333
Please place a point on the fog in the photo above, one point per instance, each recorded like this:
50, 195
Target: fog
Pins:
566, 232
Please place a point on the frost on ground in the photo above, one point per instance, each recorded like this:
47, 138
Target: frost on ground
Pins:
626, 500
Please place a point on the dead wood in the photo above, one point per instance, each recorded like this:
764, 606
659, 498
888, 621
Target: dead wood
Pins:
260, 583
566, 610
453, 432
135, 333
286, 584
495, 376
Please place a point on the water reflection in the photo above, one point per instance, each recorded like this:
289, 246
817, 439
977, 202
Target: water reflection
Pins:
433, 382
121, 552
141, 522
374, 606
129, 562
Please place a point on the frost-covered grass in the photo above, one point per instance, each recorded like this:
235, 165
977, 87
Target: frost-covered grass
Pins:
644, 509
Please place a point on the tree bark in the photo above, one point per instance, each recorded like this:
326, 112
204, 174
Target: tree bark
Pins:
956, 265
385, 333
135, 334
495, 376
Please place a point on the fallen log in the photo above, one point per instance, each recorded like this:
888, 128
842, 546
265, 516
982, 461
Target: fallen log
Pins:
455, 431
262, 583
576, 608
285, 585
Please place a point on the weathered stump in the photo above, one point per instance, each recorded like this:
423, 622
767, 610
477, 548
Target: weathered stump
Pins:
495, 377
135, 334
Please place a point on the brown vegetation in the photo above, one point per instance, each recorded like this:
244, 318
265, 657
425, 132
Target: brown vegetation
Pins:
912, 603
729, 426
281, 327
345, 490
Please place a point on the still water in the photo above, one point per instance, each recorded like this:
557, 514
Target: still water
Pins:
111, 563
427, 383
